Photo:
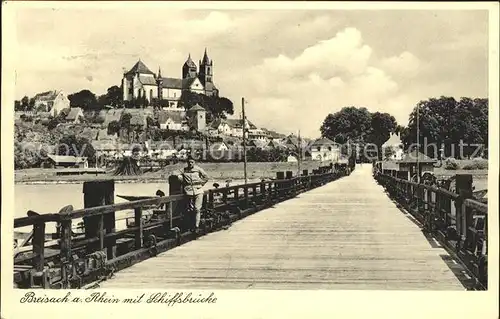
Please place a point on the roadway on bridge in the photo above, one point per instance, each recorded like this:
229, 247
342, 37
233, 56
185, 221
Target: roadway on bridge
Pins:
344, 235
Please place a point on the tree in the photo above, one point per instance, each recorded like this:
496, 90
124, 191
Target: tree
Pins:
125, 123
113, 128
84, 99
447, 121
382, 124
215, 106
114, 96
25, 103
350, 123
18, 106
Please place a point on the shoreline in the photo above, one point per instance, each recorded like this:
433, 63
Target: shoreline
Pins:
117, 181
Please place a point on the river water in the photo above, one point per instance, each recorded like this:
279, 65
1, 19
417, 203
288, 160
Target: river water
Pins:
50, 198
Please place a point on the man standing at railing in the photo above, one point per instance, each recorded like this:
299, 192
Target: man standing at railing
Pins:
193, 178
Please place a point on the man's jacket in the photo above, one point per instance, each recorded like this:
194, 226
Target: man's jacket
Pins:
193, 180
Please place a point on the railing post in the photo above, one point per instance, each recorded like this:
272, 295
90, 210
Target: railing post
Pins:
245, 193
263, 191
99, 193
65, 243
39, 245
175, 188
464, 190
139, 233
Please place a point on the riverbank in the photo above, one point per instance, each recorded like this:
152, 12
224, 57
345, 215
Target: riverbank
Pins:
216, 171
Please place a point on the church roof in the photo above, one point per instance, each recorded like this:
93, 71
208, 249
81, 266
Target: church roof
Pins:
140, 68
189, 62
209, 86
147, 80
205, 60
46, 96
175, 83
172, 83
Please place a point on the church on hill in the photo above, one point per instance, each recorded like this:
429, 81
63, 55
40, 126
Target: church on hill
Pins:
140, 82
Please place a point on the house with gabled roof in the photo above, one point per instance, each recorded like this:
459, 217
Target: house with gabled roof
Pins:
395, 144
51, 101
75, 115
57, 161
171, 120
324, 149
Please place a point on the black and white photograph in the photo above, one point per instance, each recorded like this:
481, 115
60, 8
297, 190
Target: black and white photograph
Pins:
183, 147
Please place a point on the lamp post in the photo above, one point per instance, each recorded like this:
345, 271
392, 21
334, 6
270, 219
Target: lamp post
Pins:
244, 139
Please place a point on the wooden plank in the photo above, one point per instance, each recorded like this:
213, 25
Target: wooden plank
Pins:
39, 246
344, 235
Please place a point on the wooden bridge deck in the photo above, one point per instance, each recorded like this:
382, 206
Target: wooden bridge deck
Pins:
344, 235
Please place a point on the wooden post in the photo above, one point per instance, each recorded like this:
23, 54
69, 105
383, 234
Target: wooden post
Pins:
139, 233
464, 189
99, 193
65, 240
263, 191
245, 193
175, 188
236, 193
39, 245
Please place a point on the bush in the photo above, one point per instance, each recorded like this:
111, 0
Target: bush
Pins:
450, 164
477, 164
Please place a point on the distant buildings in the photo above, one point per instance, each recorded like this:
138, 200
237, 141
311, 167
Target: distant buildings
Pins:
51, 101
140, 82
324, 149
395, 146
58, 161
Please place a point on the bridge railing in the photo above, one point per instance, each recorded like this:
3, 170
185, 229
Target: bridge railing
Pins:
71, 260
457, 220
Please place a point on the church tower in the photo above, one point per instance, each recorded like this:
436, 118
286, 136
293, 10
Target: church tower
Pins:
189, 69
206, 69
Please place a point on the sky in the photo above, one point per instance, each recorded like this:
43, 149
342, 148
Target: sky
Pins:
293, 67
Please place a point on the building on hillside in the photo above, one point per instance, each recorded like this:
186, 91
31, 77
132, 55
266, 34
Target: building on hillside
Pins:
236, 126
58, 161
141, 82
197, 118
51, 101
102, 135
172, 121
275, 144
111, 115
394, 143
258, 134
275, 136
75, 115
219, 127
324, 149
159, 150
106, 148
291, 142
219, 147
